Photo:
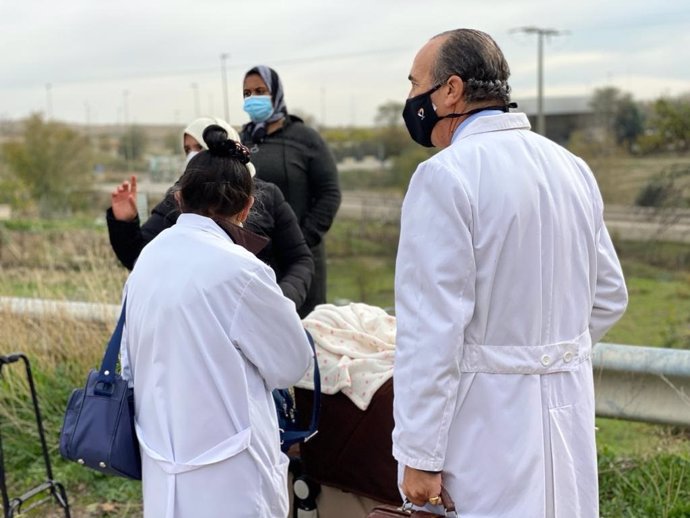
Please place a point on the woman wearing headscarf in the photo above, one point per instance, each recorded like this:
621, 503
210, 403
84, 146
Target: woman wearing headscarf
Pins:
293, 156
281, 244
208, 336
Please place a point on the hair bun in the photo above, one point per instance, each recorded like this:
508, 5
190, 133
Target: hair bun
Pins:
219, 144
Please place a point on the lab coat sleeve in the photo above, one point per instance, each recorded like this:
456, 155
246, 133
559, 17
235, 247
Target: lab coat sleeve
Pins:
610, 296
434, 302
269, 332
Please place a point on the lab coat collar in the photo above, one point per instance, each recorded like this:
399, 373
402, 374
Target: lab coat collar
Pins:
489, 123
239, 235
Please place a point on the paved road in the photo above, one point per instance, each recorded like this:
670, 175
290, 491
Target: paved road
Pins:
630, 223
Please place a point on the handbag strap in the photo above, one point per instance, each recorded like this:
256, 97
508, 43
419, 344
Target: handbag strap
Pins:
304, 435
106, 373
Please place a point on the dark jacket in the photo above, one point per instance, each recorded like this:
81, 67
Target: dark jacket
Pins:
298, 161
286, 252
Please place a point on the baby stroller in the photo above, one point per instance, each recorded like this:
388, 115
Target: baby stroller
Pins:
348, 468
46, 491
349, 465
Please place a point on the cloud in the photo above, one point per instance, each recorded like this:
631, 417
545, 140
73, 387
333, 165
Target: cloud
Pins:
338, 59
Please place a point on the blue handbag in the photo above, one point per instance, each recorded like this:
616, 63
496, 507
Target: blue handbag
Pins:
290, 430
98, 427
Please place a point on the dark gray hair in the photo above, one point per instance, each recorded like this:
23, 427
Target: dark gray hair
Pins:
476, 58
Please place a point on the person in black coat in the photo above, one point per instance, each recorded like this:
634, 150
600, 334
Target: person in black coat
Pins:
290, 154
284, 248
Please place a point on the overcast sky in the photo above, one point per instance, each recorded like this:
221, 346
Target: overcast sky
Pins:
149, 61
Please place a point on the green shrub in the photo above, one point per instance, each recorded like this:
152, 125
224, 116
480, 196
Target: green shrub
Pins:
644, 487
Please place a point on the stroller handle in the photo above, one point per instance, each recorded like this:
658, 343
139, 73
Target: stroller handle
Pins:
11, 358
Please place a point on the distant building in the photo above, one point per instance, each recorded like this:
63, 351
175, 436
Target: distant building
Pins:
563, 115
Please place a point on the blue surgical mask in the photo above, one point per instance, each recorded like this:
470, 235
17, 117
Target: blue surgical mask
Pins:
259, 107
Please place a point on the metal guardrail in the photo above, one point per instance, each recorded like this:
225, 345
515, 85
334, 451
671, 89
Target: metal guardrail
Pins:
45, 307
647, 384
631, 382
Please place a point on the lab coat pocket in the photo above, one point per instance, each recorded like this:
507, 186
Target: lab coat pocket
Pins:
565, 488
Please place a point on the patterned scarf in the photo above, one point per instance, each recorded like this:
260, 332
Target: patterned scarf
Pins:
257, 130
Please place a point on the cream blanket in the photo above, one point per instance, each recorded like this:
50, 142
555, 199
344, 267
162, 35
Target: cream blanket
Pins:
355, 346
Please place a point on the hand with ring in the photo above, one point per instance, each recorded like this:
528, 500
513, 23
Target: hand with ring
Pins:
421, 487
435, 500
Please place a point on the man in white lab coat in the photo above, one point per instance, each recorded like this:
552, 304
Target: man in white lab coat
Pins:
208, 335
505, 278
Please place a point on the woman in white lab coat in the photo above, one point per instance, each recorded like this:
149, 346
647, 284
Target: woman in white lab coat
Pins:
208, 335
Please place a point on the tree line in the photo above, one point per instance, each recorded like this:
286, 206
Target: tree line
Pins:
47, 169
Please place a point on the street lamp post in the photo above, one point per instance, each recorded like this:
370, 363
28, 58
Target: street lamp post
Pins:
125, 107
197, 106
49, 101
541, 118
323, 106
223, 68
128, 132
87, 112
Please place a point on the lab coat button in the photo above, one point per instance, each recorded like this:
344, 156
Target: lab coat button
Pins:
545, 360
567, 357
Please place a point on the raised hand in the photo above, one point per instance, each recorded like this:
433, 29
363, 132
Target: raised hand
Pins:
124, 200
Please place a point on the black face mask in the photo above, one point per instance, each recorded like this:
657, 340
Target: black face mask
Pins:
420, 116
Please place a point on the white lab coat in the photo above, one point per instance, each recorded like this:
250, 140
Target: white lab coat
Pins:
208, 335
505, 276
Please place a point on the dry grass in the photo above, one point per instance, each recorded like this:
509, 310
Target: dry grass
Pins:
61, 350
70, 264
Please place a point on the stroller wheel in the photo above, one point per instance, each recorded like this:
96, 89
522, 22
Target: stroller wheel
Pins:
305, 492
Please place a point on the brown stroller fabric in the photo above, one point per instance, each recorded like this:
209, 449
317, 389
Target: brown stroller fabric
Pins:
353, 449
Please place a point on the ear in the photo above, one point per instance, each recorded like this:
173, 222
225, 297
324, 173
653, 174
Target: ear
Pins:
242, 216
178, 198
455, 88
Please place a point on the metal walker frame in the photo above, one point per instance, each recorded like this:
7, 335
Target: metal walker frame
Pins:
56, 491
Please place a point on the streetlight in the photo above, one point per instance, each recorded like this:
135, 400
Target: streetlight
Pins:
195, 90
223, 61
49, 101
323, 106
87, 111
125, 107
129, 145
541, 119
